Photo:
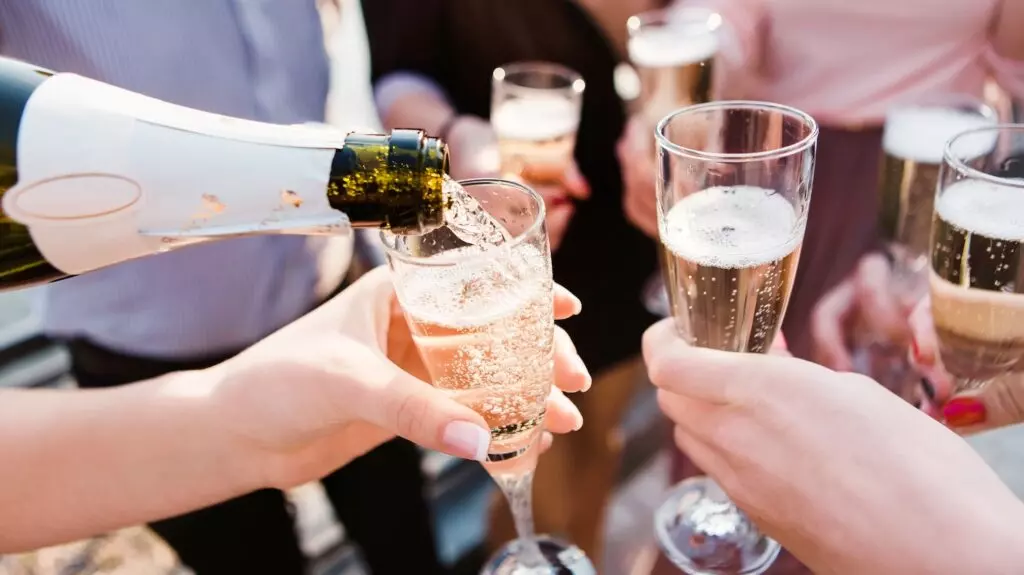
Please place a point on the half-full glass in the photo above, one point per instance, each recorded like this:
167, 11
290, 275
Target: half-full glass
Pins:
482, 319
535, 112
977, 261
734, 189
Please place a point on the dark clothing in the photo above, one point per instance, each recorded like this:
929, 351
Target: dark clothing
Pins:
378, 497
603, 259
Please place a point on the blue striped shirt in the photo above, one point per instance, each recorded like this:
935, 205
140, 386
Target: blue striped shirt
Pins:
256, 59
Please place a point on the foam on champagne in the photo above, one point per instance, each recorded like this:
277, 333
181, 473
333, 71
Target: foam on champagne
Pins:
476, 289
535, 118
664, 47
920, 133
732, 227
985, 208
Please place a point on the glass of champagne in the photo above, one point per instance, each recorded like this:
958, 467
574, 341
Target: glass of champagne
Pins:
977, 256
673, 51
535, 112
482, 318
734, 189
913, 144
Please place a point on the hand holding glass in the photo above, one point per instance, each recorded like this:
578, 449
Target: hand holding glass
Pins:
734, 189
482, 318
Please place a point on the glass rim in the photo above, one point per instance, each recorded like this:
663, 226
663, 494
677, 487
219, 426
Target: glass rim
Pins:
575, 81
662, 17
955, 162
807, 141
489, 253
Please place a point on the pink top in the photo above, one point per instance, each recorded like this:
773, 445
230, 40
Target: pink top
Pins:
846, 61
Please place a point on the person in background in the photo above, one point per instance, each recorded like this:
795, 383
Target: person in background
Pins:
847, 476
844, 64
310, 398
432, 67
193, 309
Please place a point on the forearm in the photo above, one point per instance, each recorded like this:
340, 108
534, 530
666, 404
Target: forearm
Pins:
78, 463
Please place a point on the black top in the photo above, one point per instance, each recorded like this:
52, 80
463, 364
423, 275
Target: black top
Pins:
603, 259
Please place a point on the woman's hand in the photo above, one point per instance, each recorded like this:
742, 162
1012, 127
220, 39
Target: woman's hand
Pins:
868, 300
637, 160
841, 472
346, 378
998, 404
475, 154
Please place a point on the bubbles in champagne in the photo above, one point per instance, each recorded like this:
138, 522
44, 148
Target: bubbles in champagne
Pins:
485, 329
735, 251
976, 280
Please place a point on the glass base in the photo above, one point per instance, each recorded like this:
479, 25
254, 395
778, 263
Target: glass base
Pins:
562, 558
703, 533
655, 297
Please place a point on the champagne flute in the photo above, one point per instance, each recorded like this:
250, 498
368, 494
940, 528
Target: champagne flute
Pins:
913, 144
673, 51
482, 318
535, 112
977, 261
734, 190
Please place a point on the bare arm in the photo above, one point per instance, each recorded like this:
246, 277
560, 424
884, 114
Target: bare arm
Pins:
81, 462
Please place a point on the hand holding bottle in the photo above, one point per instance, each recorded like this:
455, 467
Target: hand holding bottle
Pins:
841, 472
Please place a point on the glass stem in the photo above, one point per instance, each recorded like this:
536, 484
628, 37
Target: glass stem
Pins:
518, 490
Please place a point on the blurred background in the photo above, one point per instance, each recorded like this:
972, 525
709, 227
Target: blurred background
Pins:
460, 493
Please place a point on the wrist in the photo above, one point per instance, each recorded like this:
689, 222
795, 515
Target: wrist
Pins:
239, 462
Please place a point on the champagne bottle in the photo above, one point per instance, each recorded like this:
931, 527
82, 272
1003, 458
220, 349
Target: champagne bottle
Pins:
92, 175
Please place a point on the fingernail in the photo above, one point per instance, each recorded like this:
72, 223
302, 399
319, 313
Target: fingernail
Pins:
466, 440
964, 411
915, 350
928, 388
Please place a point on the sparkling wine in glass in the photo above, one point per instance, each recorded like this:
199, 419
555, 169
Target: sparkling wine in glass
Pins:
535, 112
977, 256
913, 144
734, 190
673, 51
479, 304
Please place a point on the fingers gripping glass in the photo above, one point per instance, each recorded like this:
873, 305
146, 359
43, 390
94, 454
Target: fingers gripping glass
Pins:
734, 189
976, 275
483, 321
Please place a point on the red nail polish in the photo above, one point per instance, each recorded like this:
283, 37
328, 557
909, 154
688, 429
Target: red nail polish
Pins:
964, 411
914, 349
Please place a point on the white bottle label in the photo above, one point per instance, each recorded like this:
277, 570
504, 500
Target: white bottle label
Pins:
106, 175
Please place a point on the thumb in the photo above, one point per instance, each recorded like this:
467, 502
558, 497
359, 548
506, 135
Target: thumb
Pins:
410, 407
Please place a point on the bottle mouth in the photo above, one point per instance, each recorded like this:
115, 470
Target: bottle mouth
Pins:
72, 198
